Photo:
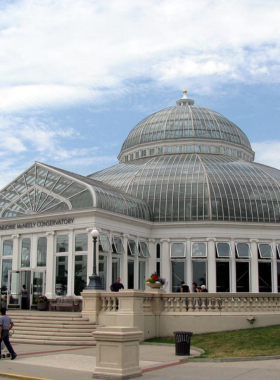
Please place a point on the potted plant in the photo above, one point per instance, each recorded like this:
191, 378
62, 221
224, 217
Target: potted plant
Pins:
42, 303
155, 281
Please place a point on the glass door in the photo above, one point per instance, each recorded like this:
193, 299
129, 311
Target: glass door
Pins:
14, 289
38, 284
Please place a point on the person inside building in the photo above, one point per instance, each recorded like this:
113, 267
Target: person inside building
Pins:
6, 324
184, 288
116, 286
24, 298
195, 288
204, 289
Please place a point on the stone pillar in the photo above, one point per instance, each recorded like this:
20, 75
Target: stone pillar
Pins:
165, 263
50, 267
124, 265
211, 253
151, 267
189, 272
15, 282
131, 311
16, 252
117, 352
91, 304
232, 267
274, 268
254, 266
70, 278
90, 254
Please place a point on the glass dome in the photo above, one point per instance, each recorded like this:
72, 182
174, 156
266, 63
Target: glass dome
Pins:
193, 187
185, 121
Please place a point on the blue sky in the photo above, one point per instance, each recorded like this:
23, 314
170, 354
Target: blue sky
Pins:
77, 75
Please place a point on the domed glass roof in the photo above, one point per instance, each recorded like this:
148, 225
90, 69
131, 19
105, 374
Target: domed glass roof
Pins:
192, 187
185, 121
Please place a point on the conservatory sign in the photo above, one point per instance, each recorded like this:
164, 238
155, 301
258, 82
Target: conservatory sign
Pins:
45, 223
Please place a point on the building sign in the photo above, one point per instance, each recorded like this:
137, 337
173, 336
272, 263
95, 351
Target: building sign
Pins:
45, 223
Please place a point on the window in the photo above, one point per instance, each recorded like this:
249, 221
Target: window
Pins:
25, 253
160, 150
6, 266
168, 149
62, 243
179, 149
278, 250
243, 250
199, 250
132, 248
7, 248
177, 250
131, 156
199, 272
144, 153
217, 149
80, 275
207, 149
198, 148
222, 276
81, 243
104, 244
144, 249
189, 148
265, 251
152, 151
239, 154
225, 150
118, 245
61, 275
125, 158
158, 251
137, 155
223, 250
42, 252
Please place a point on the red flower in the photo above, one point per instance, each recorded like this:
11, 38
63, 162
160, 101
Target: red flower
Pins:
155, 278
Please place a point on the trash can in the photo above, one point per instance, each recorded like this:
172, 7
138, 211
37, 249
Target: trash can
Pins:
182, 342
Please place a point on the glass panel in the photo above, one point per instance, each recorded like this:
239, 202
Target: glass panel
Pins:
115, 269
178, 275
130, 273
265, 251
25, 289
132, 247
199, 273
223, 250
177, 250
42, 252
80, 280
265, 277
243, 250
14, 288
278, 250
199, 250
158, 267
38, 285
25, 253
158, 251
242, 277
278, 276
81, 243
6, 266
144, 250
61, 270
142, 275
62, 243
8, 247
222, 276
102, 270
104, 242
118, 244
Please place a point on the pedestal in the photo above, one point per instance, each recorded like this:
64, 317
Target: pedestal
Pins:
117, 352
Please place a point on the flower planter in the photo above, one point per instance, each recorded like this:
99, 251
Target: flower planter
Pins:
42, 306
155, 285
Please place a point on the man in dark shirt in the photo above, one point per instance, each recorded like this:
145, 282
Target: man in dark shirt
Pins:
116, 286
6, 324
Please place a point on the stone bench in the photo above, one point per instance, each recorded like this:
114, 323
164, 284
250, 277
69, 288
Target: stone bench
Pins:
71, 303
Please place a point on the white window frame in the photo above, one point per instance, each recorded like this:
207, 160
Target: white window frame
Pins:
202, 256
142, 253
278, 249
249, 249
130, 250
217, 250
177, 257
115, 245
260, 253
104, 249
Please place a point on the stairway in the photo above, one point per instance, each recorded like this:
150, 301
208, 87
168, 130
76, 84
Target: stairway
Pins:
48, 327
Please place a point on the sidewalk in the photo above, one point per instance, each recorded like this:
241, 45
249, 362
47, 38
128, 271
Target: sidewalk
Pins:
157, 362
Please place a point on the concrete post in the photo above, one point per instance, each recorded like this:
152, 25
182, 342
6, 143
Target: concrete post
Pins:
117, 352
71, 276
166, 273
91, 304
16, 252
211, 253
50, 267
232, 267
254, 266
152, 260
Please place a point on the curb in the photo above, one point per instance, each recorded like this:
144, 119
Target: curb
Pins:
228, 360
14, 376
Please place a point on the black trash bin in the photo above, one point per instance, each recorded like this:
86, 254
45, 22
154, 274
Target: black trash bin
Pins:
182, 342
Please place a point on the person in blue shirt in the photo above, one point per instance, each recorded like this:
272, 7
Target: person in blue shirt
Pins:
6, 324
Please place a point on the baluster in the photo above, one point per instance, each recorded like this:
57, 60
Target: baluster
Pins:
203, 303
103, 299
172, 304
187, 304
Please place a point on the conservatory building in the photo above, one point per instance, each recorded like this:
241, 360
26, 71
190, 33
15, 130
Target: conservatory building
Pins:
186, 200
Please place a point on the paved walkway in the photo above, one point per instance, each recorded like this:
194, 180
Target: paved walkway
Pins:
157, 362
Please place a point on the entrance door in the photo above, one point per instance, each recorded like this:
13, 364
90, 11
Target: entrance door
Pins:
14, 289
38, 284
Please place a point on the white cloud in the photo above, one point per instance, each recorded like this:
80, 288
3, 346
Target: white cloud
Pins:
267, 153
55, 53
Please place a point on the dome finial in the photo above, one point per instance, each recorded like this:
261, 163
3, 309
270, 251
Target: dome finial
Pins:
185, 100
185, 91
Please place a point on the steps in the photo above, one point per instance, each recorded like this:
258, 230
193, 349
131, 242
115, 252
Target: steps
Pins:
52, 327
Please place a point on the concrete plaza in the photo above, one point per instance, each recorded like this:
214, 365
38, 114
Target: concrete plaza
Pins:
156, 362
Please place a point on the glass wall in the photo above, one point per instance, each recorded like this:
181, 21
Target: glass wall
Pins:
81, 243
265, 277
178, 275
25, 253
62, 243
42, 252
130, 273
80, 273
7, 247
61, 275
102, 270
222, 276
199, 273
142, 274
6, 266
242, 276
115, 269
278, 275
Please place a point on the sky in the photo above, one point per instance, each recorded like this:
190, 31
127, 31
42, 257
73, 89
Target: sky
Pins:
77, 75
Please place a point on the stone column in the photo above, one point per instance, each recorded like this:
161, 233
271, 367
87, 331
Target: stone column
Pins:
151, 267
166, 263
211, 273
15, 282
232, 267
91, 304
124, 259
90, 254
254, 266
70, 278
189, 272
16, 252
50, 267
274, 268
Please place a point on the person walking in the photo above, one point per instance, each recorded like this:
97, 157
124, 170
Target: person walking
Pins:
6, 324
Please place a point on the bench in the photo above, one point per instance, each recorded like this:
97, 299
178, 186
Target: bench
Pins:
72, 303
